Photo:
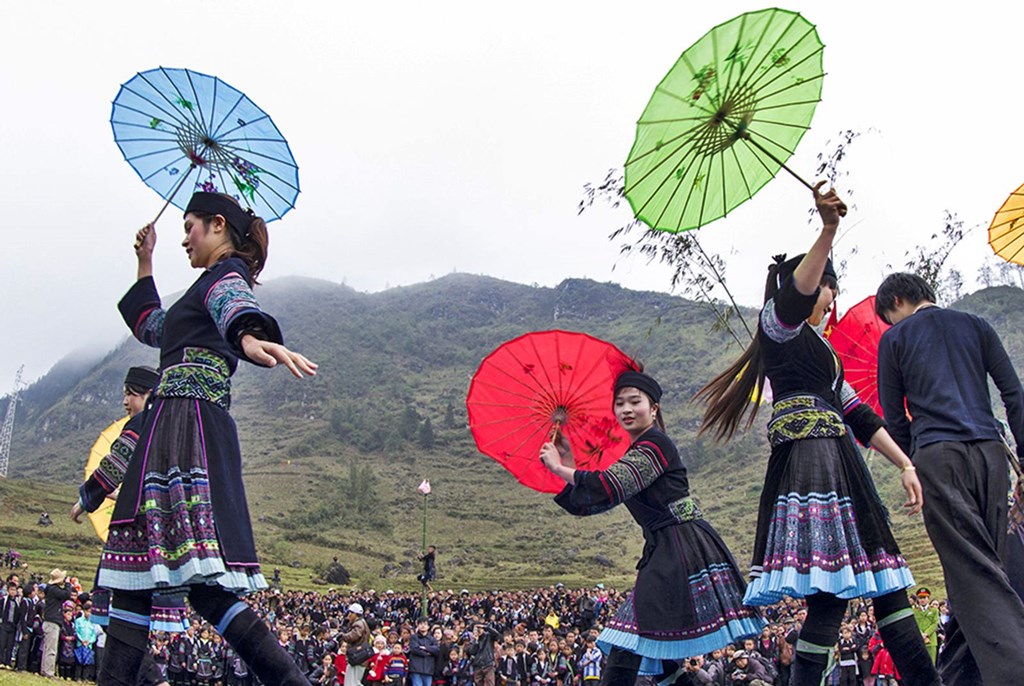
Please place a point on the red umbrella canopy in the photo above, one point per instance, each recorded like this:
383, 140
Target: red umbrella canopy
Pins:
541, 381
855, 339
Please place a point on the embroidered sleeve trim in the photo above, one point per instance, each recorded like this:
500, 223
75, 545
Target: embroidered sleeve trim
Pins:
150, 327
775, 328
229, 297
637, 470
848, 396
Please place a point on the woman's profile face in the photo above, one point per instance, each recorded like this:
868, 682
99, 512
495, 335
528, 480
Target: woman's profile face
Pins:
633, 410
826, 297
204, 240
134, 402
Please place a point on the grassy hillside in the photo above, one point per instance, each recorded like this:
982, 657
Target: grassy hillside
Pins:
332, 462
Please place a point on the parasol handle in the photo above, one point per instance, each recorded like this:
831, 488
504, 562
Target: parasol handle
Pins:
174, 192
554, 431
746, 137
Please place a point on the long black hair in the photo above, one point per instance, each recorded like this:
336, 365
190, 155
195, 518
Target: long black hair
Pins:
736, 393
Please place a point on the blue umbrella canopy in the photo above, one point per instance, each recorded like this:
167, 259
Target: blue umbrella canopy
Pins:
179, 128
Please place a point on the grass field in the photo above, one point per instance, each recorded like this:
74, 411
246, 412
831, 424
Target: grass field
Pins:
9, 678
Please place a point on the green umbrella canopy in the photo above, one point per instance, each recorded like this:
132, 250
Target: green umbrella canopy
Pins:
724, 119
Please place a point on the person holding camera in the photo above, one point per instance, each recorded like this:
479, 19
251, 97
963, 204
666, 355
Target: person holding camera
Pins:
747, 671
57, 591
481, 650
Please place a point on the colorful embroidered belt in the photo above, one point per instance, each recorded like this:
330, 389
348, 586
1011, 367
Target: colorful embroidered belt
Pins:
203, 375
803, 416
685, 509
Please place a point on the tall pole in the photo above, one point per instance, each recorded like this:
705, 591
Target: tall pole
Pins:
423, 610
8, 426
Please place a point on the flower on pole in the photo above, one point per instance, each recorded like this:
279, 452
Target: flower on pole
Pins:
424, 487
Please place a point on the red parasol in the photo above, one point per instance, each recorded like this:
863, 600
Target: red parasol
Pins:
541, 382
855, 339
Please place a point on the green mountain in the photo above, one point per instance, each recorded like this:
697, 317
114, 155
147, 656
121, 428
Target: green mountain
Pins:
332, 462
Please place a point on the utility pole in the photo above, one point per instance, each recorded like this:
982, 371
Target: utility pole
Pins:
5, 433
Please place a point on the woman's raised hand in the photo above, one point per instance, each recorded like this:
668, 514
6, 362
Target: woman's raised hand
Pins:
564, 450
145, 241
550, 456
270, 354
830, 207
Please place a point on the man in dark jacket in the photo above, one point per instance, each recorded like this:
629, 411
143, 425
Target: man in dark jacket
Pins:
11, 611
423, 651
934, 364
30, 629
482, 652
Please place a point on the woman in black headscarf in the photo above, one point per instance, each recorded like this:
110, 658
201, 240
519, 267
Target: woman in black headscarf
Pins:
181, 523
687, 599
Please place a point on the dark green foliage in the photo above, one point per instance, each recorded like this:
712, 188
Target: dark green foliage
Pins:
408, 423
425, 438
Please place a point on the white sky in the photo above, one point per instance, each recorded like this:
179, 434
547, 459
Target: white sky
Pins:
440, 136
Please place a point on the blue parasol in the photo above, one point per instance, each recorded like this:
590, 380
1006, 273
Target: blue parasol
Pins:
177, 126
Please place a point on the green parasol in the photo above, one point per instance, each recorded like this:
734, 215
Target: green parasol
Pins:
724, 119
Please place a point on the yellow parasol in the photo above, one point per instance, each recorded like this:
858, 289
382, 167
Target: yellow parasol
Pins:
101, 517
1006, 233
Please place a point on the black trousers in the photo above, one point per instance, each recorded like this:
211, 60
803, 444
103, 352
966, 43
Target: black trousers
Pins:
7, 633
965, 508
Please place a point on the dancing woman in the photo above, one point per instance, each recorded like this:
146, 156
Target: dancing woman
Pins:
687, 599
181, 523
822, 532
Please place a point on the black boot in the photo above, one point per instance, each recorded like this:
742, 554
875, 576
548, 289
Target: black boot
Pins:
808, 668
621, 668
906, 647
127, 645
903, 640
254, 643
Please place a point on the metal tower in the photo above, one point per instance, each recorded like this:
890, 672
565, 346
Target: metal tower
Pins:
5, 433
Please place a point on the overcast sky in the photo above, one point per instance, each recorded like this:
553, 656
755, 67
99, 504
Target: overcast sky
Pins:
441, 136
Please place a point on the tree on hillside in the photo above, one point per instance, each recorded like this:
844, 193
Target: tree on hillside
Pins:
425, 438
997, 272
449, 416
930, 261
409, 423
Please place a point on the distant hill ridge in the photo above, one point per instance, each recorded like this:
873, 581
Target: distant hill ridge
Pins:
388, 408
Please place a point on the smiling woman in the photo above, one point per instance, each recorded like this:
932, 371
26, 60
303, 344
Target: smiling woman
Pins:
688, 595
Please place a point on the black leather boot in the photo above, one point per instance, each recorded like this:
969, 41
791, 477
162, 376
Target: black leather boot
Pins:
254, 643
621, 668
126, 647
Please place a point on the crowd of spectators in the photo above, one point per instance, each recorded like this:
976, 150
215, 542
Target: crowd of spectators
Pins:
540, 637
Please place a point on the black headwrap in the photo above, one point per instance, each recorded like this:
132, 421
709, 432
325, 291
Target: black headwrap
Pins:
142, 379
238, 219
787, 267
639, 380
